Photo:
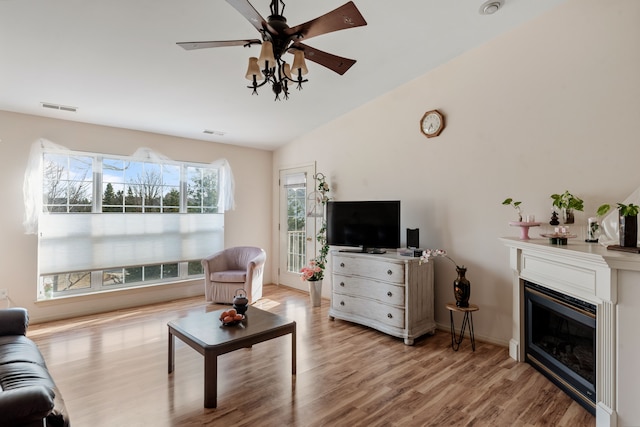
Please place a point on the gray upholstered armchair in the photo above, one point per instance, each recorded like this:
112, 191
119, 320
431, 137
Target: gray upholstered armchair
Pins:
231, 269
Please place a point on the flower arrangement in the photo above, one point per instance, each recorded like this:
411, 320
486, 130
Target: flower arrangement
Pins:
432, 253
312, 272
315, 270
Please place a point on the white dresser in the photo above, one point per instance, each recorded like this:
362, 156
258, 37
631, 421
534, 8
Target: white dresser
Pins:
387, 292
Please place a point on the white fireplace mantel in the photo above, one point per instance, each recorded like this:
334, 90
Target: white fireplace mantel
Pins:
592, 273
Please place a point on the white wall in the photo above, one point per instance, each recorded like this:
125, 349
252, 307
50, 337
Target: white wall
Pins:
549, 107
248, 224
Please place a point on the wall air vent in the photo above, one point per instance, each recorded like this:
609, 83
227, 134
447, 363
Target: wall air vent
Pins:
213, 132
58, 107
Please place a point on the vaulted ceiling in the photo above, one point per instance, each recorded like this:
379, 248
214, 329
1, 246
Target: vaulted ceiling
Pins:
117, 61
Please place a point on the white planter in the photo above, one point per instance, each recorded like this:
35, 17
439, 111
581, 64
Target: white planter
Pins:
315, 292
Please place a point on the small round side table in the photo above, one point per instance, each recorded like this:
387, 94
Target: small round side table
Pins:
467, 322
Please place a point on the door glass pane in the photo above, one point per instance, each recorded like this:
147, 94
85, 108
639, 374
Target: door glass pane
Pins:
296, 189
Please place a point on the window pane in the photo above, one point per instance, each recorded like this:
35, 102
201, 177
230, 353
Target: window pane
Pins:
171, 175
112, 197
113, 170
169, 270
202, 190
171, 199
67, 183
113, 277
153, 272
68, 281
133, 274
195, 268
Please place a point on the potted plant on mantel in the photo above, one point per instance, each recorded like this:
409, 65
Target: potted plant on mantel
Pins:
516, 205
524, 225
567, 203
628, 225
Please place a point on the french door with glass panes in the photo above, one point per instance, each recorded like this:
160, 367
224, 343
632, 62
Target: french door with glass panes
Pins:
298, 220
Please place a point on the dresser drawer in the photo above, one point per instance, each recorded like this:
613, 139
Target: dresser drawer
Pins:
379, 270
379, 312
362, 287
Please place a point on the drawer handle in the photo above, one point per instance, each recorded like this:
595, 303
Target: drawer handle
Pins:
342, 264
342, 284
389, 294
389, 315
389, 272
342, 303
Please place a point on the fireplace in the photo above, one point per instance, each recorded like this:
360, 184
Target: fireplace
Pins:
608, 280
560, 341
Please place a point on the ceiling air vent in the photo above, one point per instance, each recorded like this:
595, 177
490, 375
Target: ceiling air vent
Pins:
58, 107
213, 132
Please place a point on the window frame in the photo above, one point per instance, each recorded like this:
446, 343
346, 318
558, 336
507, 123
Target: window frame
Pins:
185, 267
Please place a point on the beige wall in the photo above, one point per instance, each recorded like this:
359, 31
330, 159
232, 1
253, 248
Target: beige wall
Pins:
252, 173
551, 106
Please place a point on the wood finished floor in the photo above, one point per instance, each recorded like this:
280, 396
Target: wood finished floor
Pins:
112, 371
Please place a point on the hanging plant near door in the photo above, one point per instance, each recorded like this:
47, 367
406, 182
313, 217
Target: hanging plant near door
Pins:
314, 272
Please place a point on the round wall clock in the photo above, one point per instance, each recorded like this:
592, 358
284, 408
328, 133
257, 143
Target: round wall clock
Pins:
432, 123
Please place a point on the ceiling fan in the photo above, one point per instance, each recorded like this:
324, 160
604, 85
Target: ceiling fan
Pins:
278, 38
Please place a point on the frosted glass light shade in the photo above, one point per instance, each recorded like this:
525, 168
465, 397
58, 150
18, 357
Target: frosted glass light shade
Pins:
299, 63
253, 70
286, 69
266, 55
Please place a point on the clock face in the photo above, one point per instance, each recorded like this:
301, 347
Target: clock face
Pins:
432, 123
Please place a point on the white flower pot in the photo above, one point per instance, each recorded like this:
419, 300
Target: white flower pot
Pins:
315, 292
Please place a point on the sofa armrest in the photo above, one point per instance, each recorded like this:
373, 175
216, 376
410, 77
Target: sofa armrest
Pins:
14, 321
26, 404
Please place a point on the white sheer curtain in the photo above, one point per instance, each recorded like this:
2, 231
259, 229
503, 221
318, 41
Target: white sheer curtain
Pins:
93, 241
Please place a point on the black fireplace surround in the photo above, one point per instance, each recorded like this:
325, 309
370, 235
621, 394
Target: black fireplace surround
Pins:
561, 341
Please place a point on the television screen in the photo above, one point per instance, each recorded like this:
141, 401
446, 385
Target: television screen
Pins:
369, 225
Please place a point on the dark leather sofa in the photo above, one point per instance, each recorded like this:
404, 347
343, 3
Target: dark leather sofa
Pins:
28, 395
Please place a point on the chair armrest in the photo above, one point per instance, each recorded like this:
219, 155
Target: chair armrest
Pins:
257, 261
26, 404
14, 321
255, 267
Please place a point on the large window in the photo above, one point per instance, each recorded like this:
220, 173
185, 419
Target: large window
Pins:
111, 222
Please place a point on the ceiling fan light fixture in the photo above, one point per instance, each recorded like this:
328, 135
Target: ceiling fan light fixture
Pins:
491, 6
277, 38
299, 65
253, 70
266, 59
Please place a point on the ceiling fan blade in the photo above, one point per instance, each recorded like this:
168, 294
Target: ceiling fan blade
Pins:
252, 15
206, 45
346, 16
333, 62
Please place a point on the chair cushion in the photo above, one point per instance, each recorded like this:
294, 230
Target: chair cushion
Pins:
229, 276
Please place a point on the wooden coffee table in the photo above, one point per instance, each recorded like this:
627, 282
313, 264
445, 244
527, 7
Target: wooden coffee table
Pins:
205, 333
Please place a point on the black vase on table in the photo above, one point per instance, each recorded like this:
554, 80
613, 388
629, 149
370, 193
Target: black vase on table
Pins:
462, 288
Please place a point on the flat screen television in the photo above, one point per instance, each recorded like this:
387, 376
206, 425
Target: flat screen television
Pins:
371, 226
